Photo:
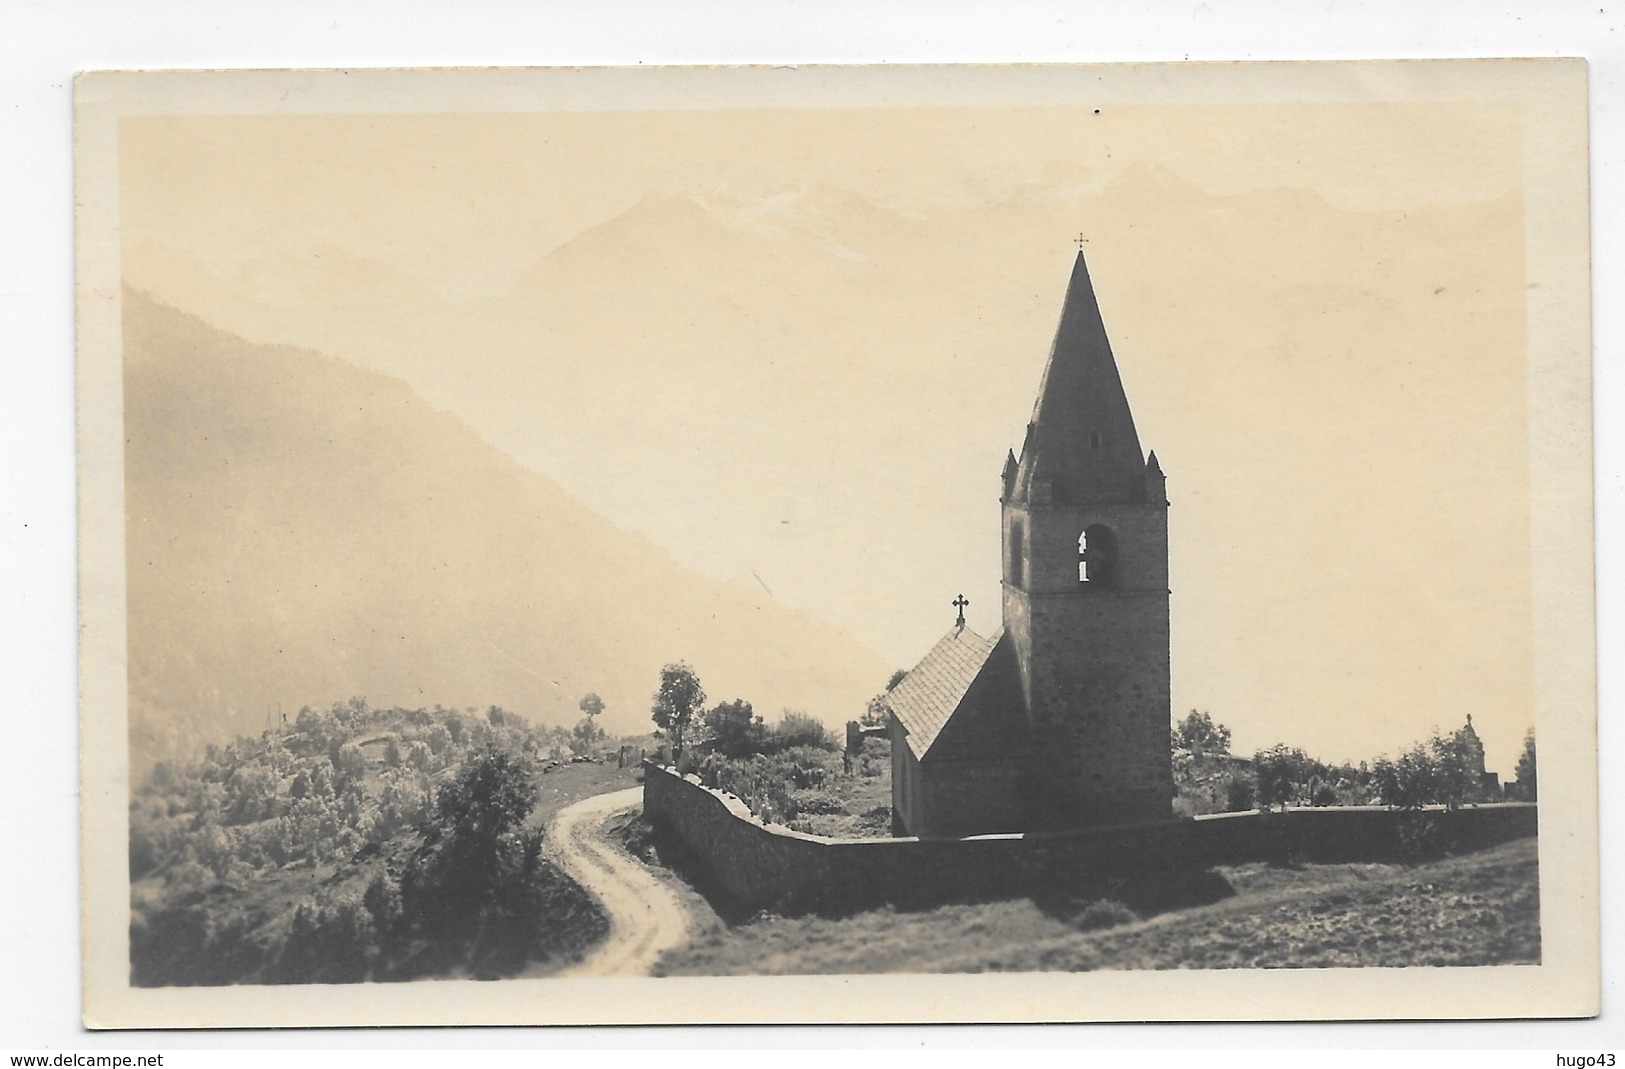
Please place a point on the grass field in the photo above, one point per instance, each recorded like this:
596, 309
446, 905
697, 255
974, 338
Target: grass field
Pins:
570, 783
1479, 909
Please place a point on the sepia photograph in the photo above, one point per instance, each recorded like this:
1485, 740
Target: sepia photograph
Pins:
941, 543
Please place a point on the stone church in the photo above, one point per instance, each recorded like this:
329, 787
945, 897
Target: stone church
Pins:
1060, 719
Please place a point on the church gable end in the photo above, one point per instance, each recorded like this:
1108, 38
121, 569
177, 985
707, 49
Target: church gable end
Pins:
930, 693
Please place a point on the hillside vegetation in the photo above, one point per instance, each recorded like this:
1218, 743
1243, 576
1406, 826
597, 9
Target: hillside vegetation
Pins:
1480, 909
357, 844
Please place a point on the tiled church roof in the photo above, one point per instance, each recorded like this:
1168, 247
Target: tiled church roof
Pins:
990, 726
962, 665
931, 691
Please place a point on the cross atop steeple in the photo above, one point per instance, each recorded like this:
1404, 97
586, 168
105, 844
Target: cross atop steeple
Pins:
959, 603
1081, 241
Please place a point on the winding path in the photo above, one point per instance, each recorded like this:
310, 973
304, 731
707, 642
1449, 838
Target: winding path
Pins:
646, 918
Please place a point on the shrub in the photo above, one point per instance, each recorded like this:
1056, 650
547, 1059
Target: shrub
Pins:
1283, 775
874, 757
328, 941
383, 900
816, 801
1421, 837
1103, 913
797, 729
1239, 794
586, 737
251, 793
349, 765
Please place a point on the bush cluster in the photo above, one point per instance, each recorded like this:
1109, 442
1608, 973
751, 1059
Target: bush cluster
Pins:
777, 787
1442, 770
873, 758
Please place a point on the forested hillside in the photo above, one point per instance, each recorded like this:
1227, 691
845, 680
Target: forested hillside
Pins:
354, 844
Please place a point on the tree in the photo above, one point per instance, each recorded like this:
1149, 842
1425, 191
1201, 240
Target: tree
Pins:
250, 793
468, 878
1525, 787
348, 763
491, 793
1456, 778
1410, 781
1444, 770
734, 728
680, 696
1283, 775
591, 705
310, 722
1200, 735
874, 716
585, 737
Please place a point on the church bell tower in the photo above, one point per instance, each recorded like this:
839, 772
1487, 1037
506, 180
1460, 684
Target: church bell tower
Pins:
1085, 519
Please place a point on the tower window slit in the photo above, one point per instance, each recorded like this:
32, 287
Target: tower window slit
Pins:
1097, 556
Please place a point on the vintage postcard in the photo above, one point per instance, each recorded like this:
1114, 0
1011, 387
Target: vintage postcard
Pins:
836, 544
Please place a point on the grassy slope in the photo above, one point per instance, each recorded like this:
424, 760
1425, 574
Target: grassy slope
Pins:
569, 783
1478, 909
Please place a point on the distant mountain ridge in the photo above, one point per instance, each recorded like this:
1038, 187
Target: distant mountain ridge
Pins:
300, 530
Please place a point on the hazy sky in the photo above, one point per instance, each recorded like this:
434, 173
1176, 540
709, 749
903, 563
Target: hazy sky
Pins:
465, 203
1317, 309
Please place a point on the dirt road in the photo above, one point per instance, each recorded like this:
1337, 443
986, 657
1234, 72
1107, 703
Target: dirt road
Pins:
645, 917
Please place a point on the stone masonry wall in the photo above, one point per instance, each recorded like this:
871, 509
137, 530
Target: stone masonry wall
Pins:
1095, 663
1102, 703
755, 867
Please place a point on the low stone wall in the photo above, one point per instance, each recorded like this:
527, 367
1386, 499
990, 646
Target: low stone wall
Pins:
756, 867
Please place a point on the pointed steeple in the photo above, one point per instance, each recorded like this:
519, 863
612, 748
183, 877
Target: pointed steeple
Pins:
1081, 445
